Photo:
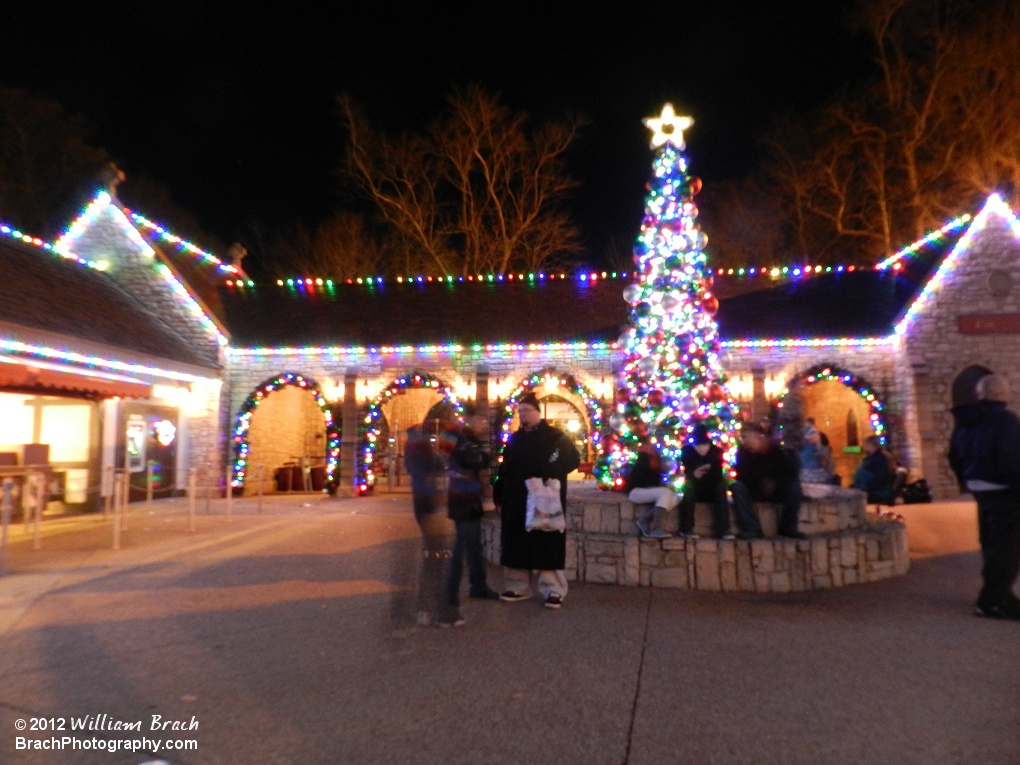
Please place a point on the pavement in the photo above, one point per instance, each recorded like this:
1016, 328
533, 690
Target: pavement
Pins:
284, 637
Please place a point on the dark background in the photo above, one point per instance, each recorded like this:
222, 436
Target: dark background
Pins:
233, 109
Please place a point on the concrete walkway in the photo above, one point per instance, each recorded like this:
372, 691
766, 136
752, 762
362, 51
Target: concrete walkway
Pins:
275, 633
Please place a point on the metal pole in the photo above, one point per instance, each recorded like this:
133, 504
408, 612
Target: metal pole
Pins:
40, 504
5, 521
115, 495
148, 484
230, 492
110, 499
192, 478
125, 496
258, 475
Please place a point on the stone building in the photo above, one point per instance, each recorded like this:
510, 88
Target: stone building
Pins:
304, 382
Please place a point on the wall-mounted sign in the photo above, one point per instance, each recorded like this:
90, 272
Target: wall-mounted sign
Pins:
989, 324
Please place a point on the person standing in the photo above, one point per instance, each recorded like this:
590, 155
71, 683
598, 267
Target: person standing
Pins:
644, 486
703, 482
984, 454
427, 469
464, 506
536, 449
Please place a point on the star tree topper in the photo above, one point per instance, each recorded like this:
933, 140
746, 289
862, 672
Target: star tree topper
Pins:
668, 127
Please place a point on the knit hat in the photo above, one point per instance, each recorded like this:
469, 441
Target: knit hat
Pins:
700, 435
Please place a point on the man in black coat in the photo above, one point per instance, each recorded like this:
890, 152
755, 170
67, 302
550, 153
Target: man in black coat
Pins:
985, 456
766, 472
539, 450
703, 482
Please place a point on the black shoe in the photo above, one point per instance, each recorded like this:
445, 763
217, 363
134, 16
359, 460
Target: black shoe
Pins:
1010, 611
749, 535
793, 534
487, 594
725, 537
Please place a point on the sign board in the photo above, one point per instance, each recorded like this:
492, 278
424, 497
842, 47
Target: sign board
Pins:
989, 324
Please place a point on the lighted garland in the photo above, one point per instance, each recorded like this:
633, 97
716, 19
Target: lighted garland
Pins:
179, 243
366, 465
241, 445
592, 406
831, 372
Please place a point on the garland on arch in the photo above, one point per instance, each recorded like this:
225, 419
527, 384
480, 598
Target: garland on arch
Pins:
373, 430
241, 444
592, 405
834, 373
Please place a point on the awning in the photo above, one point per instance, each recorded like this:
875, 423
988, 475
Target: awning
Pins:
43, 378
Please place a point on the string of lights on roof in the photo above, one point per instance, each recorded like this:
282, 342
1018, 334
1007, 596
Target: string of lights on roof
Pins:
20, 236
179, 243
994, 206
893, 261
103, 202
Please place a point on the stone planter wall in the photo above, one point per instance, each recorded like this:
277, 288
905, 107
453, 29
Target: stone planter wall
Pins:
845, 545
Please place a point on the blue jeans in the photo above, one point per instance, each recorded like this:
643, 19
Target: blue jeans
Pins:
468, 544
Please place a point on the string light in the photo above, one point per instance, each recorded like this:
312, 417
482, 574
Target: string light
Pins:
831, 372
593, 407
994, 206
43, 352
373, 419
182, 244
893, 261
242, 447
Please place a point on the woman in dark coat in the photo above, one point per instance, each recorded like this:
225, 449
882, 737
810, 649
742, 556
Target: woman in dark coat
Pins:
537, 449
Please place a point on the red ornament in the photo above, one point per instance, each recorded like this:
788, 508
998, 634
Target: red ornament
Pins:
655, 398
710, 304
622, 395
694, 184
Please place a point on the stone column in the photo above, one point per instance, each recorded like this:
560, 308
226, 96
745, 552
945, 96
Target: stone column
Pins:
348, 465
483, 410
759, 404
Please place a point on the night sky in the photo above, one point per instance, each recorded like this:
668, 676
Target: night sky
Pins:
234, 110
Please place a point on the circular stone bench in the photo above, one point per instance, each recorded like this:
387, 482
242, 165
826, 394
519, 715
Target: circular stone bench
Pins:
845, 545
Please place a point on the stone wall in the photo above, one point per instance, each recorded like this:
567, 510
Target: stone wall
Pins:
845, 545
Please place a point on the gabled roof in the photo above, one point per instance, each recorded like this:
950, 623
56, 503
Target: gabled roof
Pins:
41, 290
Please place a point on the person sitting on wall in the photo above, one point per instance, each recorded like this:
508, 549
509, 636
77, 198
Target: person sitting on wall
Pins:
765, 472
876, 474
703, 482
644, 485
815, 458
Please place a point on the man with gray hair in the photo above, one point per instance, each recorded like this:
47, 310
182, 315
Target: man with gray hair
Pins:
985, 456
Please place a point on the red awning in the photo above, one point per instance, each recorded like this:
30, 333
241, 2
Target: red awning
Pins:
32, 379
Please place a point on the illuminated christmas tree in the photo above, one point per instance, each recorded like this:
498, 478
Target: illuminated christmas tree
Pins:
671, 380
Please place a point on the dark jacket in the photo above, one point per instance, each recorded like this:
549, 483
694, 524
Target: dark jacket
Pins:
424, 464
691, 461
765, 472
643, 473
985, 445
465, 486
876, 476
543, 452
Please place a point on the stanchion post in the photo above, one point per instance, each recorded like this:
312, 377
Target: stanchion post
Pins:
40, 504
5, 520
125, 497
258, 476
149, 469
229, 492
115, 494
192, 479
112, 484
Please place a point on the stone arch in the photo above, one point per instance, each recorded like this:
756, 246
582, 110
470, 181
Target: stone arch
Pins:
375, 423
578, 396
242, 428
839, 401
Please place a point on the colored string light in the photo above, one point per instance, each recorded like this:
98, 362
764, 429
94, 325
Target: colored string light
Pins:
242, 447
994, 206
935, 236
179, 243
373, 420
833, 373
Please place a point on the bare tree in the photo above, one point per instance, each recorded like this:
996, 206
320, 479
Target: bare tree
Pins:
935, 130
477, 193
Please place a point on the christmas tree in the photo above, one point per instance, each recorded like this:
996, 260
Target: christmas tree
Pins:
671, 380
